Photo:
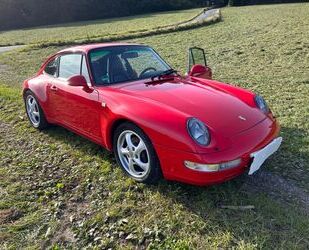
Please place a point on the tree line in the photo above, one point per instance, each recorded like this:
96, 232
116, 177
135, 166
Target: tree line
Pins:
251, 2
29, 13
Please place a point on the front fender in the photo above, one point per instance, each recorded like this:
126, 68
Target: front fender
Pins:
163, 125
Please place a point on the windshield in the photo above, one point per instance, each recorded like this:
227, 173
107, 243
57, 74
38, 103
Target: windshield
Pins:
125, 63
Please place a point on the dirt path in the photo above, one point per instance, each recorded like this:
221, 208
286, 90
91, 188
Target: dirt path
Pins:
9, 48
204, 16
207, 14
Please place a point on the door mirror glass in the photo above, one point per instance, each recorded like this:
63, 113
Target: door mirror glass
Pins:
196, 56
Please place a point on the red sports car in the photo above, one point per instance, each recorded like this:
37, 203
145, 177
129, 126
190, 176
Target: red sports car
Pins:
158, 123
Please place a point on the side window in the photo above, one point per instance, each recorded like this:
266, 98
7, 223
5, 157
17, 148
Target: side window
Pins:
196, 56
51, 68
85, 72
69, 65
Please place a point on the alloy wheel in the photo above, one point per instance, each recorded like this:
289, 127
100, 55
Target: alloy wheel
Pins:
33, 110
133, 154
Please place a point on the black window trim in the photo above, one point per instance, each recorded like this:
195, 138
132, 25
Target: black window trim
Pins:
84, 57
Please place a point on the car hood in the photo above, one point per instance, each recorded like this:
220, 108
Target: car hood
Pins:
221, 111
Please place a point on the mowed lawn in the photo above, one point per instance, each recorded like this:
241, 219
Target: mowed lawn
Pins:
58, 189
94, 29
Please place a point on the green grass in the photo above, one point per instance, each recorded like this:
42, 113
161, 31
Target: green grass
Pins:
63, 184
90, 30
265, 49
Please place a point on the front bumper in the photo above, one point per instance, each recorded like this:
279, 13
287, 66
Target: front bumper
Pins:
244, 144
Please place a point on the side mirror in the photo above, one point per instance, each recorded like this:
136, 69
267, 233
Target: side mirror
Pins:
78, 80
201, 71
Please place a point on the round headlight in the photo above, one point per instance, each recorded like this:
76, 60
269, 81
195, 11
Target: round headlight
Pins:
261, 103
198, 131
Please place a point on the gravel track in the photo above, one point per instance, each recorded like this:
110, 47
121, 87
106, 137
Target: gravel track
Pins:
9, 48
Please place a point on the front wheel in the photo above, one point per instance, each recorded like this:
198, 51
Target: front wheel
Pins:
135, 154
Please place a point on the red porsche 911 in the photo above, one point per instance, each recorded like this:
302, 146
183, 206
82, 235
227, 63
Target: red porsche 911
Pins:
158, 123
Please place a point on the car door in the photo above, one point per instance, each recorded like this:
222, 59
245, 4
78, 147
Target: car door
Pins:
75, 106
49, 74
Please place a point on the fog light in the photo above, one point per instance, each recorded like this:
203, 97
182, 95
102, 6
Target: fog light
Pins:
212, 167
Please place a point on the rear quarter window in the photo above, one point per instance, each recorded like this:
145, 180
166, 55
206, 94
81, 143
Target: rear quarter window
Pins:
51, 68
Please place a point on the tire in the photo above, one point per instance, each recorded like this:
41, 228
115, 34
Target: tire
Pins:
34, 111
135, 154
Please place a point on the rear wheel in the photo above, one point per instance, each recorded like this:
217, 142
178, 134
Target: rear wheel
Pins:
34, 111
135, 154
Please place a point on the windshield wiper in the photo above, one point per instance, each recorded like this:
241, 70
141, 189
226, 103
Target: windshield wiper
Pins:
164, 73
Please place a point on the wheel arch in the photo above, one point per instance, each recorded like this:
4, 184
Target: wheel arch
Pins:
27, 89
110, 132
122, 120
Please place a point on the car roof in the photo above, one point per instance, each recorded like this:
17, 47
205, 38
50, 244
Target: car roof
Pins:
87, 47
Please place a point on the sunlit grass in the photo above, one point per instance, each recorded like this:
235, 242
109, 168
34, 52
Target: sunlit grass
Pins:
93, 29
59, 174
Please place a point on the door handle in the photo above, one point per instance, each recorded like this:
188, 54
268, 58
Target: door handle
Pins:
53, 88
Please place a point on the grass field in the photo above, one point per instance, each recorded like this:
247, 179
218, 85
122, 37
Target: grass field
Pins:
93, 29
57, 189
